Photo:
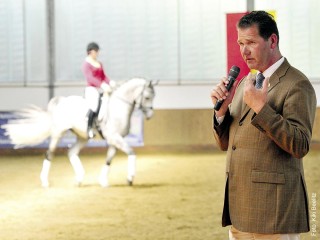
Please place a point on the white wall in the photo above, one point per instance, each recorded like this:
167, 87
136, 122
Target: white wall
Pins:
13, 98
147, 33
167, 96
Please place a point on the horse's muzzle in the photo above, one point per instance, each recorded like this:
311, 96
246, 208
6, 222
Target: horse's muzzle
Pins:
148, 113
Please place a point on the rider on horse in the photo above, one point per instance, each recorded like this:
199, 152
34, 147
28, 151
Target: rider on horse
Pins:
97, 83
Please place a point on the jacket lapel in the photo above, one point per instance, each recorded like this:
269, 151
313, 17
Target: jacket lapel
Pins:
273, 81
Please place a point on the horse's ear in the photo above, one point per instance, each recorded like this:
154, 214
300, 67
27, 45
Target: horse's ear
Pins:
152, 82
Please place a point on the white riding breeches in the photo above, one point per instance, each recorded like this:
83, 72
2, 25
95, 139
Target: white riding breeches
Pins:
92, 95
235, 234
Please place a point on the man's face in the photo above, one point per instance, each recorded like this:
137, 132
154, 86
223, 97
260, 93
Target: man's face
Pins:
255, 51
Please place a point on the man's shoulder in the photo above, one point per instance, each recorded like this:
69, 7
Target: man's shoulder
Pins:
289, 71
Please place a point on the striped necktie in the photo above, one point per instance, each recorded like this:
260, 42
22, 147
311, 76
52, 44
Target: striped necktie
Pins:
259, 81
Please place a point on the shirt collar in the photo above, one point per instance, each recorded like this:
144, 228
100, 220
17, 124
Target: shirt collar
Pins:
273, 68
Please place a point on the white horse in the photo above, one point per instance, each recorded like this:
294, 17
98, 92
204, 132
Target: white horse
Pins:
70, 113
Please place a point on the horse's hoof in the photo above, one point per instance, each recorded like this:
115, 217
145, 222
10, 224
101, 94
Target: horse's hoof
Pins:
45, 185
78, 184
130, 182
103, 183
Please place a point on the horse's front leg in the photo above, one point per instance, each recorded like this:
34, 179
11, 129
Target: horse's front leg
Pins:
103, 178
44, 174
121, 144
75, 161
131, 168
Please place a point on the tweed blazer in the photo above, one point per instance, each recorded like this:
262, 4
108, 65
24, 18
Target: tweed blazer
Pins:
265, 186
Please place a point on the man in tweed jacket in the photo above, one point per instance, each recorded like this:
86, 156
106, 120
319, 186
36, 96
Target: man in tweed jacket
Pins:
266, 133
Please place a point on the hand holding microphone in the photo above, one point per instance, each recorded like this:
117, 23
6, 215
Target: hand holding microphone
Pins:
233, 74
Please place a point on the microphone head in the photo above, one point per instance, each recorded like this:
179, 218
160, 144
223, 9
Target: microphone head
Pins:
234, 71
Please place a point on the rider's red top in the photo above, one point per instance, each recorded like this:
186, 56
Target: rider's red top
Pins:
94, 76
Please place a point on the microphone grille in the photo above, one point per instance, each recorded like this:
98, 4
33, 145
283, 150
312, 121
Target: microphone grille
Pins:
234, 71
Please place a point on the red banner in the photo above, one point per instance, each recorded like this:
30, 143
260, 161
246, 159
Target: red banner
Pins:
233, 52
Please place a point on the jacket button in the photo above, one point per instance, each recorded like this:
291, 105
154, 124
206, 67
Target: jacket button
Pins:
233, 147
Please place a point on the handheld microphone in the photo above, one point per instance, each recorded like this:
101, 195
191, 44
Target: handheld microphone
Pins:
233, 74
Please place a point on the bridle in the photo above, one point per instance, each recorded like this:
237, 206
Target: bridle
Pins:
138, 99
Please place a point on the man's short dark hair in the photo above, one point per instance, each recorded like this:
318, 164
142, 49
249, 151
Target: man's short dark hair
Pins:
92, 46
263, 20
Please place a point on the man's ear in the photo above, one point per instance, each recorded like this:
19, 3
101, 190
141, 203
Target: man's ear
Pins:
274, 40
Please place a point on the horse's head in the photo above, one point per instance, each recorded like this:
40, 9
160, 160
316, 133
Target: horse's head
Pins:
145, 100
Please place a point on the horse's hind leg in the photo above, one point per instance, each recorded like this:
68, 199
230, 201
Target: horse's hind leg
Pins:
103, 178
75, 161
44, 175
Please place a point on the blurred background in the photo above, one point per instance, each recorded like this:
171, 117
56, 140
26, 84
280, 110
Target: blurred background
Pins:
188, 45
185, 44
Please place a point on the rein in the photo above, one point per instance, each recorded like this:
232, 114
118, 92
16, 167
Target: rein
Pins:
139, 97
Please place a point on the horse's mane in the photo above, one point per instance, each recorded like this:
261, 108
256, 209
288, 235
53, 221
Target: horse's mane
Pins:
133, 81
130, 82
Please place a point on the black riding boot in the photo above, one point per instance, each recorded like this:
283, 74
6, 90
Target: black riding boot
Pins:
91, 115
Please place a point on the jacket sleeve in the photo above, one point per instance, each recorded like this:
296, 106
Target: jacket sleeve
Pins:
221, 131
104, 76
291, 128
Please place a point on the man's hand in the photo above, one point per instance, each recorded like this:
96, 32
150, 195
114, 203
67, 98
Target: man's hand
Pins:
255, 98
220, 92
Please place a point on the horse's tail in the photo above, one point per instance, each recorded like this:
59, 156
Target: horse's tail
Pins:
32, 126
